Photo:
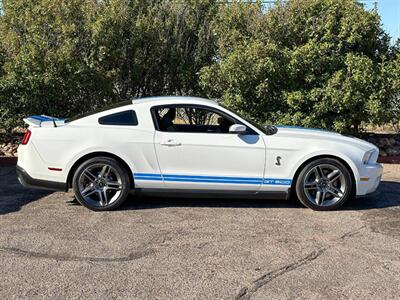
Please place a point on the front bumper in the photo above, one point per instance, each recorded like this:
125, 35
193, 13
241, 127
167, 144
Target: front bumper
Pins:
370, 177
30, 182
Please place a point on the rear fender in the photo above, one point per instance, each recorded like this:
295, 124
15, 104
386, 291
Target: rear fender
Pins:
95, 150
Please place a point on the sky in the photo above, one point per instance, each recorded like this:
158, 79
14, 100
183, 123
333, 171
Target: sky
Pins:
389, 10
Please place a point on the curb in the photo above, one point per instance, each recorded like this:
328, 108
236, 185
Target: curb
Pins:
8, 161
389, 159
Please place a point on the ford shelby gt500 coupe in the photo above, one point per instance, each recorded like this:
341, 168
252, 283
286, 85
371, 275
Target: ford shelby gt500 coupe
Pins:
191, 146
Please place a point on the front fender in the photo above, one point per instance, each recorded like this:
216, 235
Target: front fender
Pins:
327, 153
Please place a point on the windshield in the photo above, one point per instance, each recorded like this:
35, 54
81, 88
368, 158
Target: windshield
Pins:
255, 124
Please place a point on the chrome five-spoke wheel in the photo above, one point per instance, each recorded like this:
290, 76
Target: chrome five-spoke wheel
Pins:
324, 184
101, 184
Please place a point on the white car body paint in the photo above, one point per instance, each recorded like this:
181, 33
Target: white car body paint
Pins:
191, 161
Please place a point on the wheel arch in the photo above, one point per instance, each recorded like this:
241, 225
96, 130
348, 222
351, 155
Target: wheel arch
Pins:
310, 159
98, 154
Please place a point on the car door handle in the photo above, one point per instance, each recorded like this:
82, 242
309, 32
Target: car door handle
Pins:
171, 143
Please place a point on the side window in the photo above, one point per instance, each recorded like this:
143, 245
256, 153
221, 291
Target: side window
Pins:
123, 118
191, 119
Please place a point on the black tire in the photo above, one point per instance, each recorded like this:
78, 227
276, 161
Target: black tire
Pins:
114, 185
323, 186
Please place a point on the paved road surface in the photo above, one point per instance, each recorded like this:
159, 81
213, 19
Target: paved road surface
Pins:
154, 248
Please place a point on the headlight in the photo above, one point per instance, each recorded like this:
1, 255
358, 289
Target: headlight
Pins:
367, 156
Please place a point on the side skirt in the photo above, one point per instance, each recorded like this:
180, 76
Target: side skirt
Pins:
185, 193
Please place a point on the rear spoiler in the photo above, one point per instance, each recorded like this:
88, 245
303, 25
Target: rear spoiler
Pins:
44, 121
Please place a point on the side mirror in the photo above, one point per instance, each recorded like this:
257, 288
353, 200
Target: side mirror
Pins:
270, 130
237, 128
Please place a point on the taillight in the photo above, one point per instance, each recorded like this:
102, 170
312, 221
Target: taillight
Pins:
26, 138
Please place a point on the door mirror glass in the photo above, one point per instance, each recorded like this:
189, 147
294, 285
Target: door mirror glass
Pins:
237, 128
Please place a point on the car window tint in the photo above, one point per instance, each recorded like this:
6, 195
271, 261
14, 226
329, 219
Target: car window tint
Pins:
98, 110
125, 118
192, 119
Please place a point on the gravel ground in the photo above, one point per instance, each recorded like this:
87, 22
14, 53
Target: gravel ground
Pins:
159, 248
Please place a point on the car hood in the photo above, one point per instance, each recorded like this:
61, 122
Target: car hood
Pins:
320, 134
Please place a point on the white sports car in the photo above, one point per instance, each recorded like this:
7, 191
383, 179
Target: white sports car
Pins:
191, 146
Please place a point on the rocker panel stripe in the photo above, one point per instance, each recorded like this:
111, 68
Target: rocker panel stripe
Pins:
211, 179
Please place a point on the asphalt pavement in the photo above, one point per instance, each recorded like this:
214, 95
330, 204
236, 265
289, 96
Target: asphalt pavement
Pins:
166, 248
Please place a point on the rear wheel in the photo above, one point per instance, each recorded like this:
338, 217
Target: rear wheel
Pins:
101, 183
324, 184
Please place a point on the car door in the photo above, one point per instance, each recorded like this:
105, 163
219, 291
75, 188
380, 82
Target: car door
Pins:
196, 151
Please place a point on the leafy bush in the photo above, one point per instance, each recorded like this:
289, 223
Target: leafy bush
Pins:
393, 83
62, 57
316, 63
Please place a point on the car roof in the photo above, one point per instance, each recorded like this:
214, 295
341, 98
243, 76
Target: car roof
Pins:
147, 101
173, 100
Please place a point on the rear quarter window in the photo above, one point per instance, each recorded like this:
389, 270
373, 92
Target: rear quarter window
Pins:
123, 118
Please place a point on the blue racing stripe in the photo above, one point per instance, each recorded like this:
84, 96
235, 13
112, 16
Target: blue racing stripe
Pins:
275, 181
212, 179
44, 118
146, 175
148, 178
40, 118
299, 127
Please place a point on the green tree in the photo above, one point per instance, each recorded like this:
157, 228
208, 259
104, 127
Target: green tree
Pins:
393, 86
46, 70
62, 57
153, 47
316, 63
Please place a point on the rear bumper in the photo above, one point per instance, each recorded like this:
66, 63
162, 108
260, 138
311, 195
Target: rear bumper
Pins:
30, 182
369, 179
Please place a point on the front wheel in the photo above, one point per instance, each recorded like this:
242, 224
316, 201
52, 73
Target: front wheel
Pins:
100, 184
324, 184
